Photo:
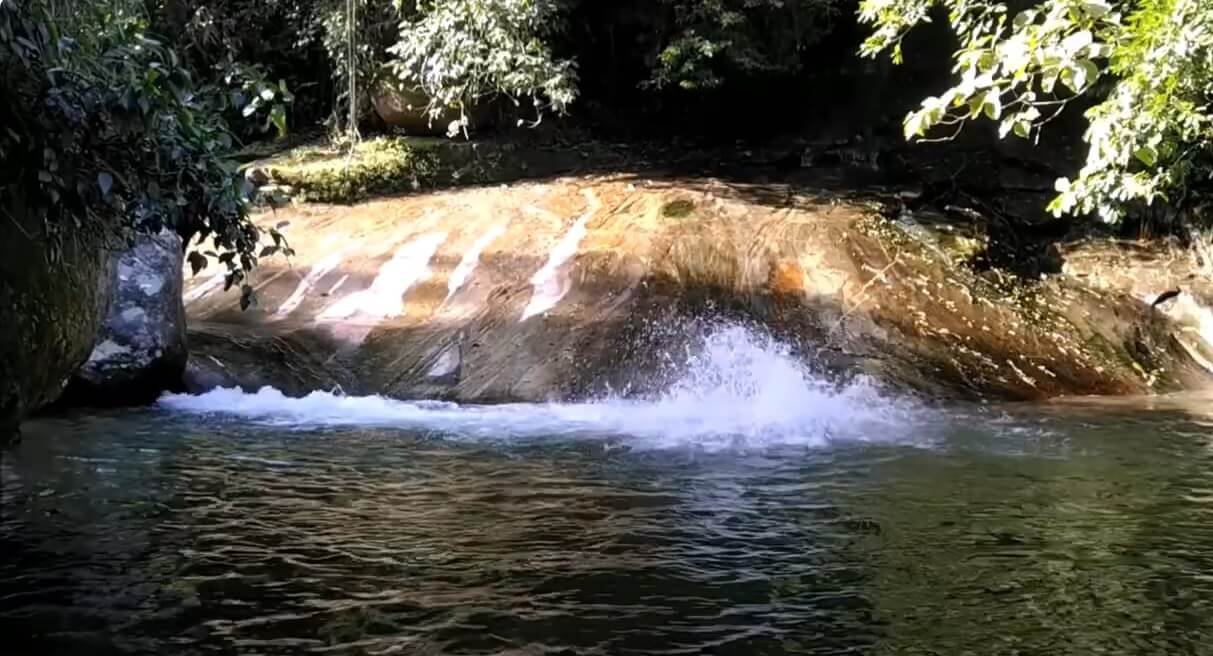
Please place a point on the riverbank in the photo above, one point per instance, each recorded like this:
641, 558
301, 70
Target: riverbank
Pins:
579, 276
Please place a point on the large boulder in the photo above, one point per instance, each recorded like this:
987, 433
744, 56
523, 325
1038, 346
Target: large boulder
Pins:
141, 348
405, 110
52, 304
574, 287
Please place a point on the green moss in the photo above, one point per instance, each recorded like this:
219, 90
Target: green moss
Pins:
389, 165
678, 209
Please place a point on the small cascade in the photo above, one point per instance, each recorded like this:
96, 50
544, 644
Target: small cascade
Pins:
739, 390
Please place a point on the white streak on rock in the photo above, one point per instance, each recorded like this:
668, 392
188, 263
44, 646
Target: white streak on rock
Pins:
446, 364
205, 287
319, 270
467, 265
385, 297
549, 284
337, 285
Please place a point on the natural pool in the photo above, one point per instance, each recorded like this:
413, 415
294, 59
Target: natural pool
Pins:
750, 511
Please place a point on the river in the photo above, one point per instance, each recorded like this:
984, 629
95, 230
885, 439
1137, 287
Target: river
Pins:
750, 510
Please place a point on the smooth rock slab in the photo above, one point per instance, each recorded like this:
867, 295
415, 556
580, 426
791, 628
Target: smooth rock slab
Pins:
591, 289
141, 350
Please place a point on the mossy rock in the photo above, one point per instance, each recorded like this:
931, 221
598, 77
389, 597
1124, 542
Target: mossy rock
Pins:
678, 209
384, 166
53, 311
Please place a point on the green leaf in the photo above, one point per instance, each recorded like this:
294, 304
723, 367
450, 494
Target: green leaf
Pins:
246, 297
1147, 155
1090, 71
1049, 80
278, 119
913, 125
1006, 126
1077, 41
991, 104
1097, 8
197, 262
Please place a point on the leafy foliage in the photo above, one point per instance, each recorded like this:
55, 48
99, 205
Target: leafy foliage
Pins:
117, 132
462, 52
357, 50
1146, 64
255, 53
707, 40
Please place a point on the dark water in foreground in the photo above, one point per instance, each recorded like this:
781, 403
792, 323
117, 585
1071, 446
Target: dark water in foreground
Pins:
1055, 530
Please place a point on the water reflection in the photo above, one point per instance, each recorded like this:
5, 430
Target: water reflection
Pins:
1094, 545
1057, 532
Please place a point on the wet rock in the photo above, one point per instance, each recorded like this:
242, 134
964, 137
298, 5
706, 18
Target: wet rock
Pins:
1150, 271
251, 358
582, 286
141, 349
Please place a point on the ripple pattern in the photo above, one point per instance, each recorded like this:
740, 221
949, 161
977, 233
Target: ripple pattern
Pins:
149, 533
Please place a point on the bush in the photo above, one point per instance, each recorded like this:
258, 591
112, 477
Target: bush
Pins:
104, 130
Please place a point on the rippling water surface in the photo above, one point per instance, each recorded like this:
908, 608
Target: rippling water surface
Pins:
253, 524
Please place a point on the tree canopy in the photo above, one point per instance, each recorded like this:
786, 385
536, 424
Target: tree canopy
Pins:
1142, 68
131, 109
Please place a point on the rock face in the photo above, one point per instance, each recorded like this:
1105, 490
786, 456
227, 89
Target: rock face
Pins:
1153, 272
576, 286
50, 313
140, 350
405, 110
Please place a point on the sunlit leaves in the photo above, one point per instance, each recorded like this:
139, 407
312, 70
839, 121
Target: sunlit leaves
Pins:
1145, 132
460, 52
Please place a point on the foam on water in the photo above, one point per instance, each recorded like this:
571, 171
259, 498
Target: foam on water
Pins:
740, 390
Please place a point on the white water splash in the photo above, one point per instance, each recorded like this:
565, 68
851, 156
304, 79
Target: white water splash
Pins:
319, 270
1195, 322
548, 285
385, 297
740, 391
467, 264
